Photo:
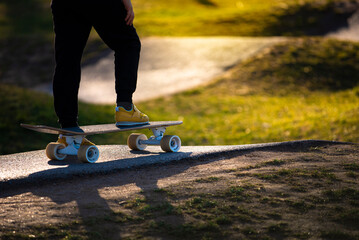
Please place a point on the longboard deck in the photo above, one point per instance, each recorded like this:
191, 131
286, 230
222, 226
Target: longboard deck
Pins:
99, 129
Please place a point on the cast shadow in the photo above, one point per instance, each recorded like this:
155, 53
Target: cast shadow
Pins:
86, 189
93, 204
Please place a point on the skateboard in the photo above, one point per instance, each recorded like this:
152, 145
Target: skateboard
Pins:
90, 153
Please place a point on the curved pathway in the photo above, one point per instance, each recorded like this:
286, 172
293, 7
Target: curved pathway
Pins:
169, 65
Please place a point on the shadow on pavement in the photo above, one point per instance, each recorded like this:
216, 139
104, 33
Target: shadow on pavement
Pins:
85, 189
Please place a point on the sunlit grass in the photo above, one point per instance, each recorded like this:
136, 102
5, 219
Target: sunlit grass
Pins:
271, 98
234, 18
193, 17
212, 119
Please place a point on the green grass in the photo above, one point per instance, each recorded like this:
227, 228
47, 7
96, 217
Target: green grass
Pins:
268, 98
25, 106
192, 17
236, 18
16, 19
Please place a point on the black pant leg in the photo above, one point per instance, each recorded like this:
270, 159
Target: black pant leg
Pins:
72, 29
109, 22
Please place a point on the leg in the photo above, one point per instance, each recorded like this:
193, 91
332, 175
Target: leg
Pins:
71, 34
110, 25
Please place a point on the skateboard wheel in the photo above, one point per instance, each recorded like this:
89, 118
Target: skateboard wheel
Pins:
134, 141
88, 153
52, 151
170, 143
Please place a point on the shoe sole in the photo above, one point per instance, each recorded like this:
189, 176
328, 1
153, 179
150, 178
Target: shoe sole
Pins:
127, 124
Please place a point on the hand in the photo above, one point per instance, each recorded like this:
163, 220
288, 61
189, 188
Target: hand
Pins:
130, 14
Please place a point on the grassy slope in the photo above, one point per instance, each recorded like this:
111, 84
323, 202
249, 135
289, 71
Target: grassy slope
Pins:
238, 18
303, 89
299, 90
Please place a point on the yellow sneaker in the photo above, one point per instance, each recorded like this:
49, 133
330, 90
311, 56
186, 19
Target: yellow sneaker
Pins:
85, 141
132, 117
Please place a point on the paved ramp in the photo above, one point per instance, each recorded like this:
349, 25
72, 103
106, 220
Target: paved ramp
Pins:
33, 167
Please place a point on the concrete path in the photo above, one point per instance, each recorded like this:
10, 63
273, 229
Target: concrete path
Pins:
34, 167
169, 65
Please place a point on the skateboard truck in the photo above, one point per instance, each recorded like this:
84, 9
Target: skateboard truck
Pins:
156, 138
168, 143
85, 153
73, 144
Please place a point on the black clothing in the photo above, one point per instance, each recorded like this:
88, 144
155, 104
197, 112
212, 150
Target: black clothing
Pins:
73, 20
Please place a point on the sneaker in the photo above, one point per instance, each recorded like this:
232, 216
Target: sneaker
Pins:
85, 141
131, 117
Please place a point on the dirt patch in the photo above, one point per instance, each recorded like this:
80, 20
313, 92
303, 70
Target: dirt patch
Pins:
263, 194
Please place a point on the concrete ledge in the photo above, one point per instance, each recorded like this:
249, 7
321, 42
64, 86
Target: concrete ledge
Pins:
35, 168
